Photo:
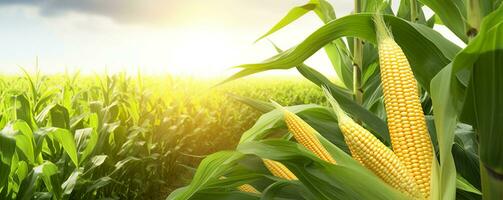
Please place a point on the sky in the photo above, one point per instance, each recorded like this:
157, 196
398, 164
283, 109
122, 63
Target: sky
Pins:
189, 37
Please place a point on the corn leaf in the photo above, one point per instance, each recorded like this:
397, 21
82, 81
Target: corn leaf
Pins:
86, 149
59, 117
452, 14
422, 51
465, 152
259, 105
445, 122
65, 138
24, 138
294, 14
463, 184
70, 183
336, 51
7, 149
22, 110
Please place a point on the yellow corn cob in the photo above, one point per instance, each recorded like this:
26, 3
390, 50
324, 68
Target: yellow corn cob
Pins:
407, 127
248, 188
305, 134
279, 170
245, 188
374, 154
354, 154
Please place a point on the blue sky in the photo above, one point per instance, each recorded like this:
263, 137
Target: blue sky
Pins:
190, 37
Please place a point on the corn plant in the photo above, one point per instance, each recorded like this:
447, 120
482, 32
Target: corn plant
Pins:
414, 115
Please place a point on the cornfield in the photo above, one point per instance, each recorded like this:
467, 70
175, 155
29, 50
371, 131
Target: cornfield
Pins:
119, 137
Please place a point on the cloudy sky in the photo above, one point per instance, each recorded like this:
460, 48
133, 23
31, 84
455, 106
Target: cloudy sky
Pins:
189, 37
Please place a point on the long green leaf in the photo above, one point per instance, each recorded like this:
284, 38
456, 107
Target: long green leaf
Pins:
294, 14
445, 122
259, 105
426, 54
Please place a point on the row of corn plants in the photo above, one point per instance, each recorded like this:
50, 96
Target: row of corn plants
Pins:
115, 137
412, 115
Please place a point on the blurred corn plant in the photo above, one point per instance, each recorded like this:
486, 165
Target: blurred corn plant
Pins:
115, 137
460, 90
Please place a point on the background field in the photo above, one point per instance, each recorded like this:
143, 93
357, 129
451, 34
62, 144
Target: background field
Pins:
146, 134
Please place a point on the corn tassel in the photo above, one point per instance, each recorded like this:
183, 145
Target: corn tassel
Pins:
305, 134
407, 126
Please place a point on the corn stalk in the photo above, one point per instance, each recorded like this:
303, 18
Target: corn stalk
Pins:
357, 62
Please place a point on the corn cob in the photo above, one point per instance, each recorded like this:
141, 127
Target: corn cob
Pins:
374, 155
305, 134
407, 127
245, 187
354, 153
248, 188
279, 170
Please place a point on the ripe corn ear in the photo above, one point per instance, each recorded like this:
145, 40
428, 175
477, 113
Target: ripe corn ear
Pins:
374, 155
305, 134
248, 188
279, 170
245, 187
354, 153
406, 123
